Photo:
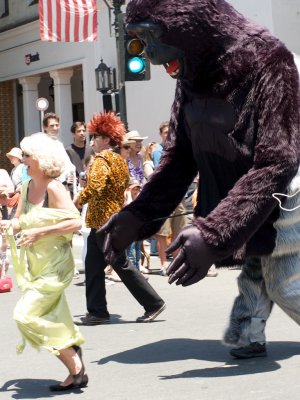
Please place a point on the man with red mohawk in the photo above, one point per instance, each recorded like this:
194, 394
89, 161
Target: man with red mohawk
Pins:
104, 193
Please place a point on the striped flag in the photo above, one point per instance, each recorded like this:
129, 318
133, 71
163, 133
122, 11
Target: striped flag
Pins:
68, 20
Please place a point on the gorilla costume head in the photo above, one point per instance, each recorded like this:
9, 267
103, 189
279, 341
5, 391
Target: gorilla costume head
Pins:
205, 33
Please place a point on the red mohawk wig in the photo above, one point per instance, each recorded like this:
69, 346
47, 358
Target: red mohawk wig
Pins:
107, 124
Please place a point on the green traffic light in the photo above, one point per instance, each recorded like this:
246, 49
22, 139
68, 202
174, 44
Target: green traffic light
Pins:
136, 65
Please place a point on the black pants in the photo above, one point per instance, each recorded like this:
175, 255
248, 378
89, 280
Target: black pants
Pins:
131, 277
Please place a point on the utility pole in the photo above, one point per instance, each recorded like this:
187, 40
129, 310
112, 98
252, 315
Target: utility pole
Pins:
121, 82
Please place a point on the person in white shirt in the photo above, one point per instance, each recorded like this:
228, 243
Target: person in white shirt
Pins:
51, 127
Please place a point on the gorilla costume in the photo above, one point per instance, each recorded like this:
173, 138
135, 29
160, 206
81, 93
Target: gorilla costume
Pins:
235, 120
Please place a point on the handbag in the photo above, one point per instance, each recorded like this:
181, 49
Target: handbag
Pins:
5, 284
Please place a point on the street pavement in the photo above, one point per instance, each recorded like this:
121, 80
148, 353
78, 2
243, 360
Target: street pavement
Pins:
178, 356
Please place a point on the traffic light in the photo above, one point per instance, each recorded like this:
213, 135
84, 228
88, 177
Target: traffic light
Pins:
133, 62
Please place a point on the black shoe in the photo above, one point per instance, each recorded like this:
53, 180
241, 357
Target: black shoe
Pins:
90, 320
151, 315
254, 349
80, 380
59, 388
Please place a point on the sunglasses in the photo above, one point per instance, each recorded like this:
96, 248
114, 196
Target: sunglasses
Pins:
26, 155
126, 147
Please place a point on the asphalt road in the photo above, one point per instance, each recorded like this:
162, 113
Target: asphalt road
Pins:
179, 356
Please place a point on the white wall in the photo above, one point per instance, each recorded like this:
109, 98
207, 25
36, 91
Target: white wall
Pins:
286, 17
257, 10
149, 103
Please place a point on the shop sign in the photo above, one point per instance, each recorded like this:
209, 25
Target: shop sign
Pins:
29, 58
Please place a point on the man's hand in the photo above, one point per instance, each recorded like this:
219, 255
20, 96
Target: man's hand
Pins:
193, 260
117, 234
76, 201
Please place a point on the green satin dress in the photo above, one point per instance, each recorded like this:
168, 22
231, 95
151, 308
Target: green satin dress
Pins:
43, 272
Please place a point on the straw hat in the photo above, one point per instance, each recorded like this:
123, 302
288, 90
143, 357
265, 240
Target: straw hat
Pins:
127, 141
15, 152
134, 135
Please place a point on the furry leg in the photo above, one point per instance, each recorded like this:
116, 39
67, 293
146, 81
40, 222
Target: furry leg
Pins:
282, 280
251, 308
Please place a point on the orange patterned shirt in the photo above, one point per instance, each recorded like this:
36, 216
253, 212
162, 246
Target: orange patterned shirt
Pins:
106, 184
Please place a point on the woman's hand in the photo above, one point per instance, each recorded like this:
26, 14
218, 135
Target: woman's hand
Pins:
4, 224
28, 237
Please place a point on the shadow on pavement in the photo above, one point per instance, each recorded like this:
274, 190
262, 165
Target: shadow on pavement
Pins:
208, 350
32, 389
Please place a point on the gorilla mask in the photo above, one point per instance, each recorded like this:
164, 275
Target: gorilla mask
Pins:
159, 53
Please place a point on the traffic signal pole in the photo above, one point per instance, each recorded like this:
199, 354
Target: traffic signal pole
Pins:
121, 79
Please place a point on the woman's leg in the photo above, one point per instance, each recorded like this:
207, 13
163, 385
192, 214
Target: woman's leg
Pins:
71, 360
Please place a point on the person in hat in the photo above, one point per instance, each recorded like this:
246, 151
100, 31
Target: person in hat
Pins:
107, 180
124, 148
18, 173
135, 160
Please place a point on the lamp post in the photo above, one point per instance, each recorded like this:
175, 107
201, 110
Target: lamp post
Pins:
104, 80
107, 84
121, 83
120, 87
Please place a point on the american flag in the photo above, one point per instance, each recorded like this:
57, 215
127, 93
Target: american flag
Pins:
68, 20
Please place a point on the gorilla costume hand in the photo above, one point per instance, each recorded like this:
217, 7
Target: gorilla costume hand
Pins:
117, 234
193, 260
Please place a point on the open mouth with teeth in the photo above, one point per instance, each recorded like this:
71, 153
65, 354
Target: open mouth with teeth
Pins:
173, 68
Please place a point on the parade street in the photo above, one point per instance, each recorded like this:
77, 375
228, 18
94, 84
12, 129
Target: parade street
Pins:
178, 356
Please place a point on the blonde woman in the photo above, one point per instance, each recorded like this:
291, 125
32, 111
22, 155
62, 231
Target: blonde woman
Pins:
46, 219
148, 165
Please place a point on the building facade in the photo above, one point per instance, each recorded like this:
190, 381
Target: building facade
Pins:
63, 73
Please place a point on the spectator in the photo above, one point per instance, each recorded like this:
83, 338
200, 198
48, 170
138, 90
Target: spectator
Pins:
134, 251
172, 226
19, 170
148, 164
163, 132
135, 160
85, 231
6, 190
78, 151
18, 175
51, 127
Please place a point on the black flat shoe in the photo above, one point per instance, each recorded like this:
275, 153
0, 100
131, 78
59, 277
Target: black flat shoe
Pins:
80, 380
59, 388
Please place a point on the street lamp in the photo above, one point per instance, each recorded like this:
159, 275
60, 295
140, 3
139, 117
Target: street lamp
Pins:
116, 5
104, 80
